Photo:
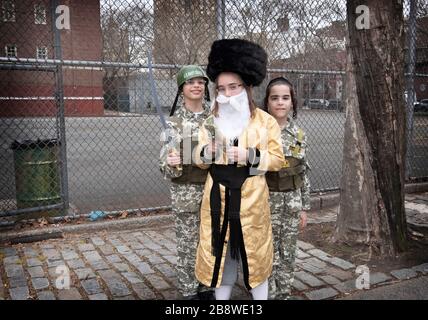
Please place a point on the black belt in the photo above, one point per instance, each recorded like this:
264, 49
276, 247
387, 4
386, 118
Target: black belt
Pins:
232, 177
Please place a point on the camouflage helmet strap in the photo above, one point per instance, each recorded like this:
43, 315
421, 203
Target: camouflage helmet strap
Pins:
174, 105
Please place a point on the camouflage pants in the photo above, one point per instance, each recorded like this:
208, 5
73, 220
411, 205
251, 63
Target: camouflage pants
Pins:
186, 201
285, 209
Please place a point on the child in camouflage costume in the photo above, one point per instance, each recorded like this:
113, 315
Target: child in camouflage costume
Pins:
187, 180
289, 188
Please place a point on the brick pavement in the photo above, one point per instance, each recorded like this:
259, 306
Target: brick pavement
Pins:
139, 264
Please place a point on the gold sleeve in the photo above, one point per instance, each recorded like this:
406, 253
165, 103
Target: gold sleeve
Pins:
269, 146
276, 155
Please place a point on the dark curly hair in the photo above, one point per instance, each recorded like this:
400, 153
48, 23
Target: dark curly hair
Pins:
278, 81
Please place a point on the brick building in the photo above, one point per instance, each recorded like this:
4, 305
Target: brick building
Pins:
26, 32
324, 52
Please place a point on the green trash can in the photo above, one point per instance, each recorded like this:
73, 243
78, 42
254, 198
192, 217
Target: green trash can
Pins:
36, 175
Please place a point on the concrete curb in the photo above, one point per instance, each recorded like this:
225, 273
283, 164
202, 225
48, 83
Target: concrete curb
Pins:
324, 201
331, 199
416, 187
60, 231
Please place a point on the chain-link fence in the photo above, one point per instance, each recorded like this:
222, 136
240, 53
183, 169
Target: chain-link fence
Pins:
79, 128
416, 15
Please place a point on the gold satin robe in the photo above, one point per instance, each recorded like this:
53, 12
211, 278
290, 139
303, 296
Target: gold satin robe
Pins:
263, 133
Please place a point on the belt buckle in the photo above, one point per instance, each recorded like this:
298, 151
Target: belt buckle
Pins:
286, 164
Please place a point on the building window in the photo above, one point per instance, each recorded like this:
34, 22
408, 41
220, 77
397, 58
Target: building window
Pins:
11, 51
42, 52
39, 14
8, 10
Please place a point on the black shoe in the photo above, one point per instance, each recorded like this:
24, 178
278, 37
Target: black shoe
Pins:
192, 297
206, 295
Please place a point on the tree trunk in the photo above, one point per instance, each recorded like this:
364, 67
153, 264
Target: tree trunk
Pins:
372, 186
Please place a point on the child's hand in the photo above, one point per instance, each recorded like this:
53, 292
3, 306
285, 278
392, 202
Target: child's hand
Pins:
173, 159
237, 154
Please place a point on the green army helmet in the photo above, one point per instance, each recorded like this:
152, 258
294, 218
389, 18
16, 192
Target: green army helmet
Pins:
186, 73
189, 72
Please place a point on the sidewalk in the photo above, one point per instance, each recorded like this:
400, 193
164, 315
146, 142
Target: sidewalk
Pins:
139, 264
415, 289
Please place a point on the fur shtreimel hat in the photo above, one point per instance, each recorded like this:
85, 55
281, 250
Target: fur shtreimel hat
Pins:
243, 57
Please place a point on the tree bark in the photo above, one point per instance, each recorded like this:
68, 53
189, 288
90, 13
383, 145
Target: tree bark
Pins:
372, 186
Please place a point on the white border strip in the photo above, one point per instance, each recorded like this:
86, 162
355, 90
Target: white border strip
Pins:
84, 68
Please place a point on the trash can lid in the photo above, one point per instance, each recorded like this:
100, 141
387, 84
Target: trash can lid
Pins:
33, 144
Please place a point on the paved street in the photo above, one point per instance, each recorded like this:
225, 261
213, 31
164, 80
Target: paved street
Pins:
113, 161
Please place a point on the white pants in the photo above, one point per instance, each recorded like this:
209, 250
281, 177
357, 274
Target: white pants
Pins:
230, 275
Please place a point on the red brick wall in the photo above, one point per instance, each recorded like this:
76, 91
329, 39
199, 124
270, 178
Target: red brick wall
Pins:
82, 42
47, 108
24, 32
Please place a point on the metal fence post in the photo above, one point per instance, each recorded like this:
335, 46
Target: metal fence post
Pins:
220, 18
59, 99
410, 97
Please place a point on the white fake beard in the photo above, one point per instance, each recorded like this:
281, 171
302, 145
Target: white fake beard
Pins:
233, 115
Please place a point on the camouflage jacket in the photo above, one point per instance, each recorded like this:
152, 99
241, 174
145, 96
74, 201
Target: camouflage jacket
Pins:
291, 148
184, 122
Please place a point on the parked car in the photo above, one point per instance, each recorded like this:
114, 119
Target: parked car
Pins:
415, 100
417, 107
316, 103
335, 104
421, 106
